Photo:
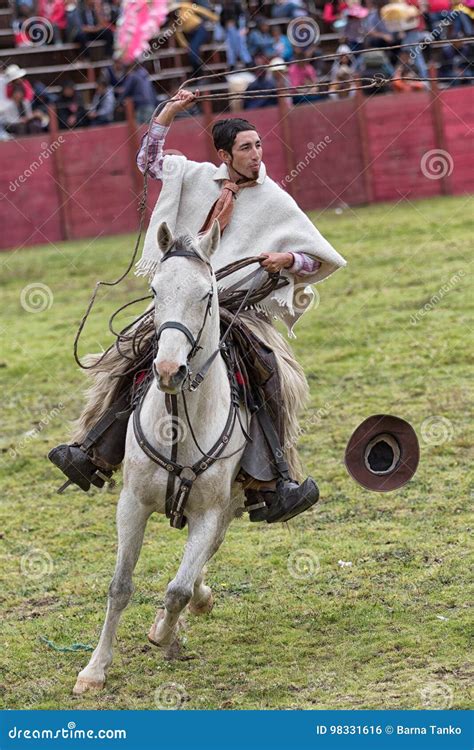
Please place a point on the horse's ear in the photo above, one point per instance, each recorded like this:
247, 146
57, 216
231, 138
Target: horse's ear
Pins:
165, 238
210, 241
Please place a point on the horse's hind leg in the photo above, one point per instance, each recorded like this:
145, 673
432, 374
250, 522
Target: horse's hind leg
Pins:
131, 522
202, 601
206, 534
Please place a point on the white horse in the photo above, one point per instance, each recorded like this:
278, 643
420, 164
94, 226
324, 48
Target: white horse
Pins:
182, 286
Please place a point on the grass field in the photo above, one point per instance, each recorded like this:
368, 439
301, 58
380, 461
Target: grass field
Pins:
291, 627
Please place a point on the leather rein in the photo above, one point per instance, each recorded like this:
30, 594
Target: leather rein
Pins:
237, 299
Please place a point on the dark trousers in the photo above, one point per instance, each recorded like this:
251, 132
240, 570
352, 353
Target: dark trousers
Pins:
103, 35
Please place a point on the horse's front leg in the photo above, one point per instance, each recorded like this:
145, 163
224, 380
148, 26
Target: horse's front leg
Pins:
132, 518
206, 533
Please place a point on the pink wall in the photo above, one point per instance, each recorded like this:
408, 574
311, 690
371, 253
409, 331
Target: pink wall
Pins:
364, 149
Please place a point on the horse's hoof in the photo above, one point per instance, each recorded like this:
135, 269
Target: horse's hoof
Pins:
160, 639
84, 684
202, 607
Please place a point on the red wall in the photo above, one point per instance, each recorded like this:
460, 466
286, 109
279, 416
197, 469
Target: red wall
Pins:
369, 149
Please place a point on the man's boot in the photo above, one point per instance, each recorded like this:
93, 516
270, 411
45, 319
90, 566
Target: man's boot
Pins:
102, 451
286, 501
272, 495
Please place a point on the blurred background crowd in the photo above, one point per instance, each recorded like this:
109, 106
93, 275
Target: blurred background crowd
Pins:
86, 58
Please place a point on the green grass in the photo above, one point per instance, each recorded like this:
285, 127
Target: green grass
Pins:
362, 636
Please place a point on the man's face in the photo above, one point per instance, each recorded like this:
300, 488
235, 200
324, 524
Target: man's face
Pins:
246, 154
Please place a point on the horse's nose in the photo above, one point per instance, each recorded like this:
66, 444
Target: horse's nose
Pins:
170, 374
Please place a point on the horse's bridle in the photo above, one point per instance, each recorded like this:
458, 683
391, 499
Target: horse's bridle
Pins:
194, 341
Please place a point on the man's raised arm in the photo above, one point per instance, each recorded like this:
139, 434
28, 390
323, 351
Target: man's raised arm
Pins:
157, 134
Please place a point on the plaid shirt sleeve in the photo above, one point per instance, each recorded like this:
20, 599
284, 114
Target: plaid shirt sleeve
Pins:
304, 265
156, 142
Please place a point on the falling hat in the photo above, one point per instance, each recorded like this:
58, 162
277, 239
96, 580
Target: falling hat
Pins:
383, 453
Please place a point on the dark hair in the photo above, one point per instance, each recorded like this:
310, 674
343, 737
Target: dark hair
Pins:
224, 132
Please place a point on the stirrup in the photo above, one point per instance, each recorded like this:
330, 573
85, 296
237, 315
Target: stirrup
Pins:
288, 500
79, 468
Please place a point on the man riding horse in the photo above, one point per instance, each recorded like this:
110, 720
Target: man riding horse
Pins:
254, 214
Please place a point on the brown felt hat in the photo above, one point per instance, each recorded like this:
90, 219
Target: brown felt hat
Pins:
383, 453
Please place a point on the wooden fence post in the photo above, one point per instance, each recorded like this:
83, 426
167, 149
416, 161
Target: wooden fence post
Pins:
283, 112
438, 125
208, 116
134, 144
59, 174
360, 102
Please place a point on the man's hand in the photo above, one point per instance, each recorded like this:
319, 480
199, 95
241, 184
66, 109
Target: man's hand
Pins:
181, 101
274, 262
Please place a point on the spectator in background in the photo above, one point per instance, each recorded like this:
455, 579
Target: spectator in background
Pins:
265, 81
301, 73
139, 87
101, 110
91, 28
115, 76
345, 59
191, 30
437, 12
54, 11
23, 11
463, 22
404, 75
334, 14
340, 88
232, 20
70, 107
288, 9
260, 41
281, 44
374, 27
112, 12
19, 118
14, 75
354, 30
376, 63
416, 33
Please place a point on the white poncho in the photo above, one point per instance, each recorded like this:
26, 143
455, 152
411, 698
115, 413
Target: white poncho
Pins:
264, 219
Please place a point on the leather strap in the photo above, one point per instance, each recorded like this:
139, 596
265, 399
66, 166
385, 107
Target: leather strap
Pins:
176, 502
273, 441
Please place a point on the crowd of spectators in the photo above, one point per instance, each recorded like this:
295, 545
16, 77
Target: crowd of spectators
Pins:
366, 30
